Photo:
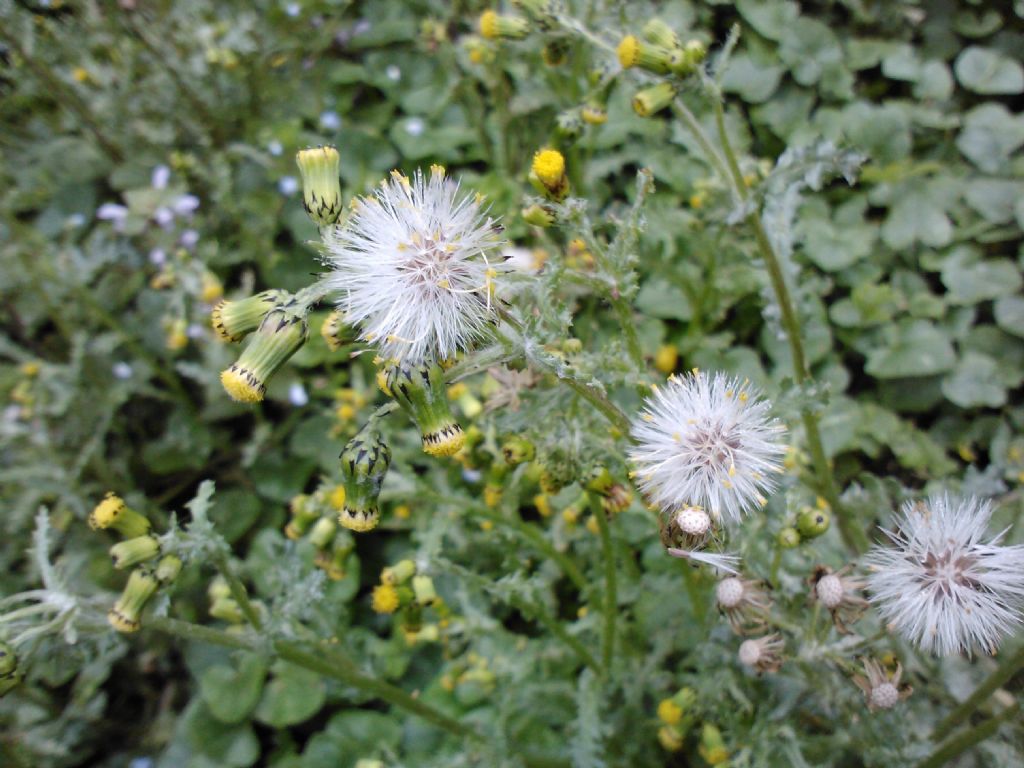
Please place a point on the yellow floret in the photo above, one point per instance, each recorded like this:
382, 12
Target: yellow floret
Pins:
242, 385
629, 51
549, 166
337, 497
385, 599
106, 512
669, 712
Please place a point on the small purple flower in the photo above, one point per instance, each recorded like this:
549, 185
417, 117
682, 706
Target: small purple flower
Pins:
287, 185
163, 216
161, 175
185, 205
189, 238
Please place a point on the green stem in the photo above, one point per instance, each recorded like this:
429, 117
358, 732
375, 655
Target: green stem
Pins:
531, 534
1007, 668
610, 583
853, 536
238, 591
961, 743
327, 661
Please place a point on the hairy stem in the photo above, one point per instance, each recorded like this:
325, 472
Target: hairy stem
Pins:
326, 661
610, 582
853, 536
1007, 668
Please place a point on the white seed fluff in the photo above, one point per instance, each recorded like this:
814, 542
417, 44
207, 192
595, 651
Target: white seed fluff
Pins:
940, 585
729, 592
750, 652
410, 267
707, 441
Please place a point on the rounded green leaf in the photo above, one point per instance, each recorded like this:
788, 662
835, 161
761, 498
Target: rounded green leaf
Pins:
985, 70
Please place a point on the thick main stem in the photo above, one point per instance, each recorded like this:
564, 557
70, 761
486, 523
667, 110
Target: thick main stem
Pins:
852, 535
964, 741
1007, 668
610, 608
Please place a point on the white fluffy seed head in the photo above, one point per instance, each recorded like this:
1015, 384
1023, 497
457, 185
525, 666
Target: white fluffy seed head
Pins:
941, 585
884, 696
693, 522
829, 590
707, 441
750, 652
410, 267
729, 592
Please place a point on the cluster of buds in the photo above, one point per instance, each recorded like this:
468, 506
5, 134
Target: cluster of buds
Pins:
422, 393
811, 522
838, 592
223, 605
676, 716
364, 463
138, 548
659, 50
470, 680
615, 497
315, 517
407, 593
10, 673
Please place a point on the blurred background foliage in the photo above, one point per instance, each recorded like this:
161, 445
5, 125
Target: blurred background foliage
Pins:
148, 169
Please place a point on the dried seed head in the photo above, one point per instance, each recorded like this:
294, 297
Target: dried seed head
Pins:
729, 592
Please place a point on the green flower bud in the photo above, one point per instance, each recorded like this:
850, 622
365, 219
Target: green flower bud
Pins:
124, 616
423, 589
600, 480
539, 216
10, 674
594, 113
131, 552
812, 523
304, 514
518, 450
233, 320
659, 33
321, 190
421, 391
280, 335
694, 52
557, 470
652, 100
364, 462
112, 512
226, 609
167, 569
335, 332
218, 589
788, 538
634, 52
712, 747
322, 534
333, 561
399, 573
494, 26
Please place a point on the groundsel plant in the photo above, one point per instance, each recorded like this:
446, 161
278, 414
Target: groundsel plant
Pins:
942, 584
410, 266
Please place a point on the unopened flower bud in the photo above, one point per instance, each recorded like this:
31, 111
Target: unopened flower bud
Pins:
656, 31
812, 523
167, 569
421, 391
233, 320
423, 589
494, 26
280, 335
399, 573
712, 747
555, 52
226, 609
112, 512
322, 533
694, 52
335, 332
539, 216
124, 616
634, 52
569, 124
518, 450
788, 538
594, 113
670, 740
131, 552
547, 174
321, 189
304, 514
364, 462
652, 100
